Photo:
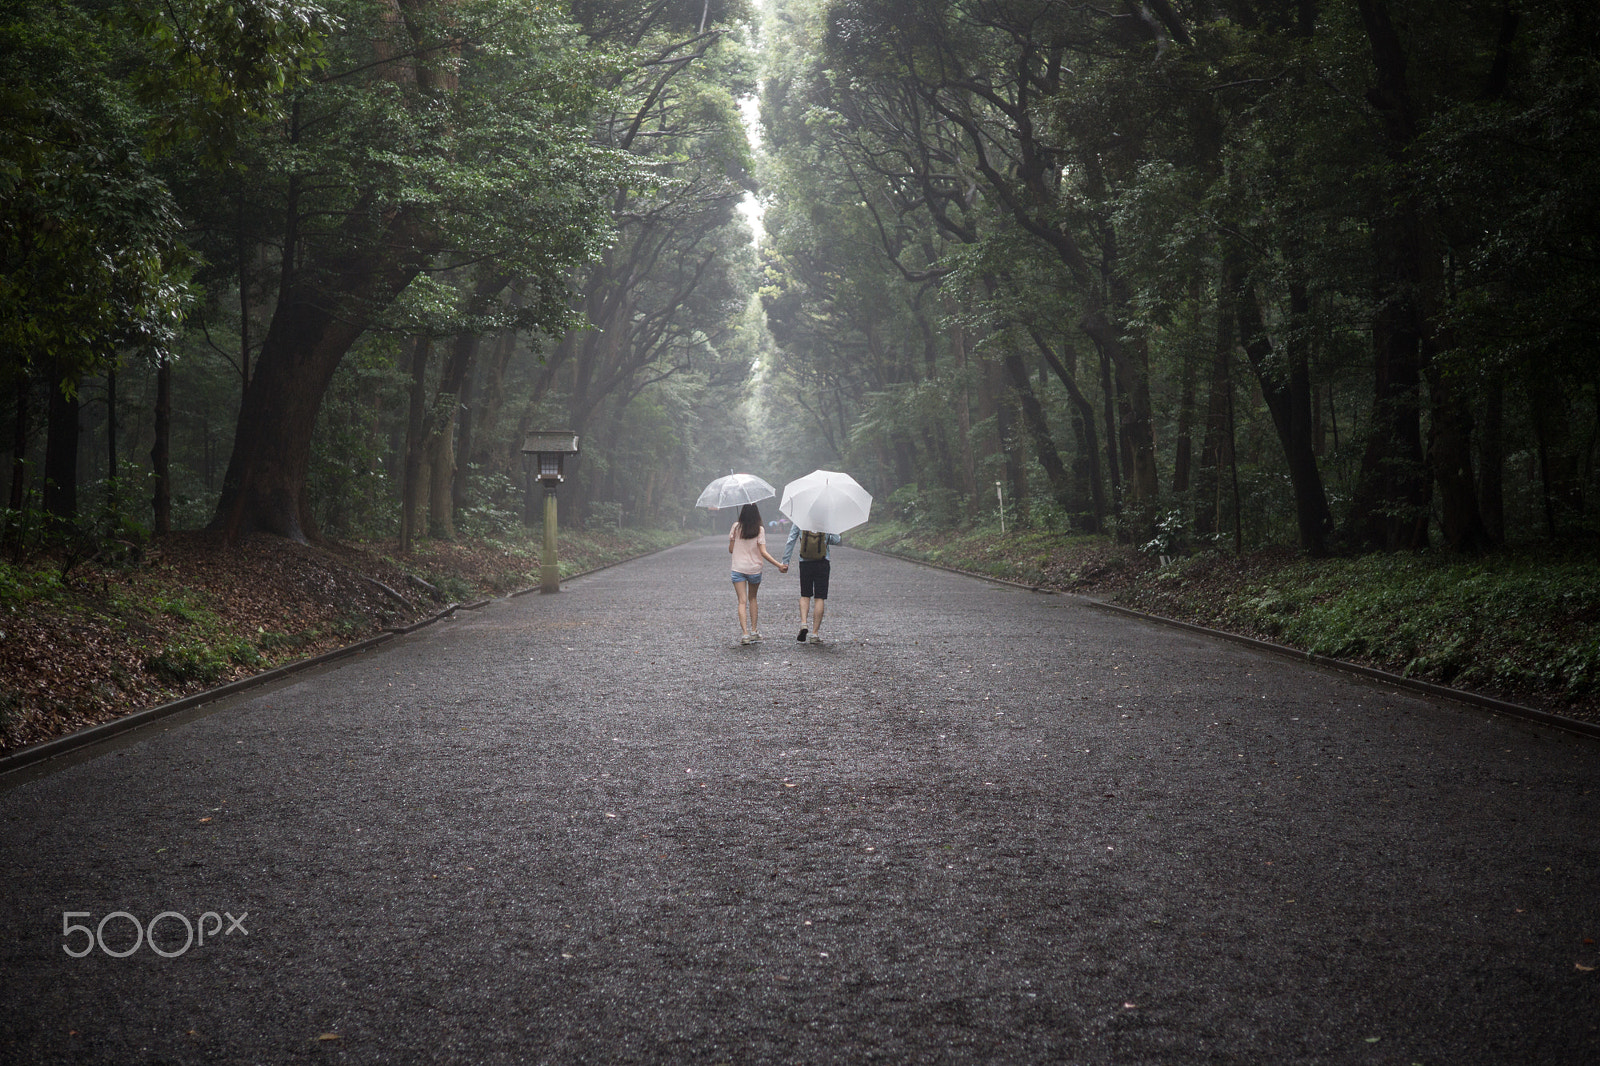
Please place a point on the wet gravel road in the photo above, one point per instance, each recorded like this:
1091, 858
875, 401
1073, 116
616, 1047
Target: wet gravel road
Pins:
980, 826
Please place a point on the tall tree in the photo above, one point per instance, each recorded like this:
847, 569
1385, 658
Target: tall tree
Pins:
440, 134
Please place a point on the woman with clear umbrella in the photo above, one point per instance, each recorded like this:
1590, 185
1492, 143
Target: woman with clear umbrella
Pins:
747, 543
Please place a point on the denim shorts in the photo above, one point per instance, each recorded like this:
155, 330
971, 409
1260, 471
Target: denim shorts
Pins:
754, 579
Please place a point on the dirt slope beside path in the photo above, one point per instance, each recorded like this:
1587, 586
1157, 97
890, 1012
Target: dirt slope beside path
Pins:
977, 826
192, 614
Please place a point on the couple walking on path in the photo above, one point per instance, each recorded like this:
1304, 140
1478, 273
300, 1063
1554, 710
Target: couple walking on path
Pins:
747, 543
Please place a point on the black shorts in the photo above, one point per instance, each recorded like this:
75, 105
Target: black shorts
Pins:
814, 578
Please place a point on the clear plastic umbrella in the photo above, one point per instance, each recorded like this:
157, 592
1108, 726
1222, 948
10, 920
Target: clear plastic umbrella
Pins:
734, 490
826, 501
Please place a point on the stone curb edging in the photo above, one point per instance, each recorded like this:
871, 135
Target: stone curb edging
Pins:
1512, 710
94, 734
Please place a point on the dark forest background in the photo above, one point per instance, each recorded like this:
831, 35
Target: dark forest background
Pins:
1212, 273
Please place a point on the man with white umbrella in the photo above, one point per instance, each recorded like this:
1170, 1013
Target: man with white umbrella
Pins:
822, 505
815, 567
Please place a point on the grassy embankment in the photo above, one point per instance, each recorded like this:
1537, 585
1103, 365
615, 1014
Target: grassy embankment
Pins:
1523, 625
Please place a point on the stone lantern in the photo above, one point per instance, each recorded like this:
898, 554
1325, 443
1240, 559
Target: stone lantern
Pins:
544, 455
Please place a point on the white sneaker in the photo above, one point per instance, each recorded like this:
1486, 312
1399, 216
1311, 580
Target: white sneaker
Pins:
757, 636
746, 638
814, 639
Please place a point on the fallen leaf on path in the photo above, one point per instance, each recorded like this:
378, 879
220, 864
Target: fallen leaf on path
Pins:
330, 1036
1585, 969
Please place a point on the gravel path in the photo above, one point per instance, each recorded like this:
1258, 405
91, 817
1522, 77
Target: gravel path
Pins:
979, 826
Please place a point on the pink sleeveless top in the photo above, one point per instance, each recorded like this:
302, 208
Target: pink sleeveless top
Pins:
747, 553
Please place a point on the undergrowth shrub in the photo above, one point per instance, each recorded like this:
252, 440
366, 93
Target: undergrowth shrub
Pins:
1501, 621
185, 662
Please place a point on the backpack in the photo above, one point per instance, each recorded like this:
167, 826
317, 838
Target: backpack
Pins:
813, 545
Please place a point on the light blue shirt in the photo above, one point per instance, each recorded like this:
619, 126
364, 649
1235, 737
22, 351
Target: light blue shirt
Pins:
794, 538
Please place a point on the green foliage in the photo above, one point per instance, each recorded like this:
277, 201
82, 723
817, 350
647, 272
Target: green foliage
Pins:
274, 641
1171, 532
1503, 621
181, 605
495, 511
91, 256
1099, 198
213, 69
199, 661
1508, 622
21, 586
452, 589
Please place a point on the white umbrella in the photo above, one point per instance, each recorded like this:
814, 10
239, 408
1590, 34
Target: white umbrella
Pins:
734, 490
826, 501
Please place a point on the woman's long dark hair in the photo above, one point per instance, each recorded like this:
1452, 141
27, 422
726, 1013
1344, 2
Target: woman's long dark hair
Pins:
749, 521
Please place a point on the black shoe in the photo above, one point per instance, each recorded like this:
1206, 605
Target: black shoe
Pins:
802, 637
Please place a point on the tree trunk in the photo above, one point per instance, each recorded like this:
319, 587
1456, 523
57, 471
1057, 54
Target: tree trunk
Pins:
1033, 417
1286, 387
463, 444
1086, 465
19, 441
1182, 458
1216, 446
1492, 461
1390, 504
1389, 507
1450, 455
1131, 357
486, 411
311, 330
1233, 467
934, 439
61, 455
1559, 468
161, 450
1010, 448
410, 483
968, 470
241, 246
441, 435
441, 452
1109, 407
113, 493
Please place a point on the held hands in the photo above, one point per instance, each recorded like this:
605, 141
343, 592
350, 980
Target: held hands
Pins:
783, 568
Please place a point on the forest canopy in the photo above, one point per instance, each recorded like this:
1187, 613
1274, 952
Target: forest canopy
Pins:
1220, 272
